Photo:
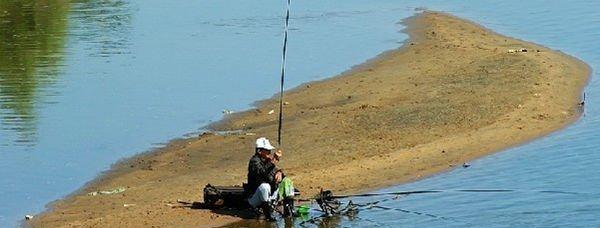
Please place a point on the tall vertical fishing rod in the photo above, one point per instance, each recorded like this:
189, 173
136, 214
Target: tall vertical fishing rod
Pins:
285, 38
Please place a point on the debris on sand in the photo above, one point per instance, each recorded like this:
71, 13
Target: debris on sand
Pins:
228, 133
368, 106
108, 192
206, 133
271, 112
517, 50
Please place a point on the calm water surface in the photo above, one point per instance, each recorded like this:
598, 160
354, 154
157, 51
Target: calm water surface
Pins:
84, 83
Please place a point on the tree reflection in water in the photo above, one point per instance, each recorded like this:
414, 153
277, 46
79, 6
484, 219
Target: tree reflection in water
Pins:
33, 39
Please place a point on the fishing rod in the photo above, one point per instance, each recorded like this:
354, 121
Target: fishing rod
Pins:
326, 194
283, 58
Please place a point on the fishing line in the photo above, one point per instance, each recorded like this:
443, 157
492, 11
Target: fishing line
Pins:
375, 204
283, 58
412, 212
354, 207
406, 193
449, 191
330, 205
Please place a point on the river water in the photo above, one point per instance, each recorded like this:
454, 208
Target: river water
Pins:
84, 83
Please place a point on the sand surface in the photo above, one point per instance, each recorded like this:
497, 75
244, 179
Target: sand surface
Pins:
451, 94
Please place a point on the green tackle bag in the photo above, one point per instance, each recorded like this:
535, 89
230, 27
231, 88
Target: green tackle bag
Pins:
286, 188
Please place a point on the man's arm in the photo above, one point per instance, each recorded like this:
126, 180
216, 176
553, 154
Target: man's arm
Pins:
272, 169
263, 172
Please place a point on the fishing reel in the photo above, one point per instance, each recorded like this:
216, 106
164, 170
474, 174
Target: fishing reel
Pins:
331, 206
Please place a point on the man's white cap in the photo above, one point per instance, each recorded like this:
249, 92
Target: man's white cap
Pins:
263, 143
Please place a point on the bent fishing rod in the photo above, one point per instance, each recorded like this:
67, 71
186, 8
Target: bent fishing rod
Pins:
283, 58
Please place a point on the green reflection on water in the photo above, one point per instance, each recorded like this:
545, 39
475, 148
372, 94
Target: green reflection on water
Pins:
32, 38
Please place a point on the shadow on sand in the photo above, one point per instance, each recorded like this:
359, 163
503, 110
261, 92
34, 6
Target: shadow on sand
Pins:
251, 219
243, 213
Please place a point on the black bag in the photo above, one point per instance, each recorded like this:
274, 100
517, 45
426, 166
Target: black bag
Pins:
224, 196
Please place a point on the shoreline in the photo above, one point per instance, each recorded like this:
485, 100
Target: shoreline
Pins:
361, 101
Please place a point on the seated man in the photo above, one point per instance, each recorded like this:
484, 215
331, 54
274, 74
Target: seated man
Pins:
262, 175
